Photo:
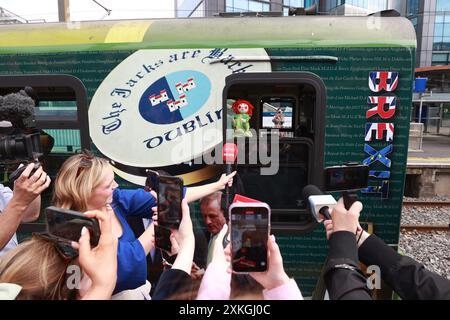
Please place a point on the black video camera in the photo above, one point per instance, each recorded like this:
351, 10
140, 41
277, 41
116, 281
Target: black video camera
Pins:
20, 142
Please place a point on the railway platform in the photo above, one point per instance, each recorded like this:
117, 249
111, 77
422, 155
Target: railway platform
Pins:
428, 170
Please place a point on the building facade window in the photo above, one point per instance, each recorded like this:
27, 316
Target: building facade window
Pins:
371, 5
199, 11
441, 40
412, 7
442, 5
297, 4
333, 4
247, 6
190, 8
439, 59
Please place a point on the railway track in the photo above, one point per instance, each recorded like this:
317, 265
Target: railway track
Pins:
421, 227
424, 228
426, 203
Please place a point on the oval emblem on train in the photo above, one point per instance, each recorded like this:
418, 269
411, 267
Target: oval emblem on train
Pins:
162, 108
175, 97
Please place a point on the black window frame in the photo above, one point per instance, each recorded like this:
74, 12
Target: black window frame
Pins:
316, 166
47, 80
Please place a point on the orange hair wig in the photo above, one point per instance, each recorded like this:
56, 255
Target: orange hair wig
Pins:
239, 102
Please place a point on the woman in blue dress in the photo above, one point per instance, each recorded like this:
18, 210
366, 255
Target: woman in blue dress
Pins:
86, 182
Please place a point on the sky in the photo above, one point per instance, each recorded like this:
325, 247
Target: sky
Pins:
81, 10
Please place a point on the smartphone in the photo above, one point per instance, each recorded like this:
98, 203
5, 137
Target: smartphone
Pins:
170, 195
151, 182
162, 238
250, 227
67, 224
345, 178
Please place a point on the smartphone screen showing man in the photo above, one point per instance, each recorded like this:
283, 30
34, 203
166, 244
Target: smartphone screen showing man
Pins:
249, 235
170, 194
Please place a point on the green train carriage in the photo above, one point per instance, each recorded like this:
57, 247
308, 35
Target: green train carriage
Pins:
158, 94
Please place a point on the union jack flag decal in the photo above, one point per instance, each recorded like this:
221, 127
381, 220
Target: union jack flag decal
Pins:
379, 129
383, 80
379, 109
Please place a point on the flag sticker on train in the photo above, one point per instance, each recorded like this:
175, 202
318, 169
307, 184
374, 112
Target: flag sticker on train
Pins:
383, 107
380, 156
381, 103
383, 80
380, 174
379, 129
175, 97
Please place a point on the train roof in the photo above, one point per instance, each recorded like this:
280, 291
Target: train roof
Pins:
265, 32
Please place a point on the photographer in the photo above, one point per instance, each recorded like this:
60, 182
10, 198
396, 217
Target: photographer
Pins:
20, 141
408, 278
22, 205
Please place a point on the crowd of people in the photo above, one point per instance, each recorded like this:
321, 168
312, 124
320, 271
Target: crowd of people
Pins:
126, 265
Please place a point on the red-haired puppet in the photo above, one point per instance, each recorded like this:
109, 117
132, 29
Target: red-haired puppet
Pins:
241, 120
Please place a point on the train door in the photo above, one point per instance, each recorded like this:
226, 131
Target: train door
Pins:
285, 150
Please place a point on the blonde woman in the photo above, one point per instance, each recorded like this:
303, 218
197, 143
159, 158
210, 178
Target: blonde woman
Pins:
86, 182
45, 268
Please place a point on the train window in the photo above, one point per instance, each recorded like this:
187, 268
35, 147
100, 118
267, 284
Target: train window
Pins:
61, 105
290, 108
277, 112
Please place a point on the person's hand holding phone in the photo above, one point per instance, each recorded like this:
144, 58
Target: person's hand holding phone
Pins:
185, 239
170, 194
346, 221
275, 275
197, 272
161, 236
99, 263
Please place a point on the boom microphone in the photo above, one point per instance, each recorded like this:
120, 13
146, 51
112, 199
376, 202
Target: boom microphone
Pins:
16, 107
318, 202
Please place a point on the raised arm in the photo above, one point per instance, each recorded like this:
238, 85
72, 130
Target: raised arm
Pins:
26, 191
196, 193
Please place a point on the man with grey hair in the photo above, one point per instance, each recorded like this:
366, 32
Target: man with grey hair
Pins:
214, 219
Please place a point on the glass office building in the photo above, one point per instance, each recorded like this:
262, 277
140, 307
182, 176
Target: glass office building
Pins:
207, 8
353, 7
190, 8
431, 19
